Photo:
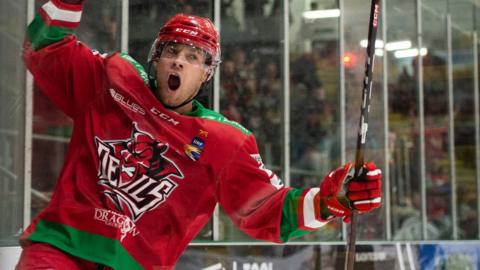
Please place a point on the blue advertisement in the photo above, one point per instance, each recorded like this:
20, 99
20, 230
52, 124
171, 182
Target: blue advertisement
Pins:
458, 255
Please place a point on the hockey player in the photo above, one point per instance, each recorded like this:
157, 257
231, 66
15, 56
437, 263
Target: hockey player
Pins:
147, 163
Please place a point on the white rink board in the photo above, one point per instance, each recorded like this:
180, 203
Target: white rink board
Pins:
9, 257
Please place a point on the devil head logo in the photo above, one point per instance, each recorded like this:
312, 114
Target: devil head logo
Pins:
136, 173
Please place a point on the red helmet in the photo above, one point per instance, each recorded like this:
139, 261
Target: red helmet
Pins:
192, 30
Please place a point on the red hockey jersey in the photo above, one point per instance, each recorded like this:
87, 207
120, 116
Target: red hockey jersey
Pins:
140, 181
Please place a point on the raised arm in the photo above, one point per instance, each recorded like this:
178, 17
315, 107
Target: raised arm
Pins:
66, 70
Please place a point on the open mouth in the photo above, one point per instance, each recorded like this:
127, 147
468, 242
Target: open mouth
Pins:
173, 82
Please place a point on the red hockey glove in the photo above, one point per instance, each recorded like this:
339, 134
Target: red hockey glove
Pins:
340, 192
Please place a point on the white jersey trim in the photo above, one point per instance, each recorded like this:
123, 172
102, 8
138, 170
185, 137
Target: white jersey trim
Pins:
56, 13
309, 219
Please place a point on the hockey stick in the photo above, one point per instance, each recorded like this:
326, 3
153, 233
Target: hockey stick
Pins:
363, 126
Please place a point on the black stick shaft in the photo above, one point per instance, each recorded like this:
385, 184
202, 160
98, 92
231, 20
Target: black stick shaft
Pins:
363, 126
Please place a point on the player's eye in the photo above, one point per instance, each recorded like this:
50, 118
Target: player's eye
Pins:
196, 56
170, 51
192, 57
173, 50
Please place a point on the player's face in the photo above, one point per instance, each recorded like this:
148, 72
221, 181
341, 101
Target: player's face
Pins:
181, 70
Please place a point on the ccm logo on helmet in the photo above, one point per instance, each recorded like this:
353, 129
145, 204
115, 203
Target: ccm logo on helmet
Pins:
186, 31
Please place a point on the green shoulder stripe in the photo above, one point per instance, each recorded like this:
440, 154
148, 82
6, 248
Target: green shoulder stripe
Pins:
141, 71
289, 224
42, 35
85, 245
202, 112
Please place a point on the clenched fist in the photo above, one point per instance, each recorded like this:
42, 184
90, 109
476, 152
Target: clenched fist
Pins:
340, 191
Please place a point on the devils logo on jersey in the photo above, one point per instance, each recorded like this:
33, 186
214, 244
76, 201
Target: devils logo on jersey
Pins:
135, 173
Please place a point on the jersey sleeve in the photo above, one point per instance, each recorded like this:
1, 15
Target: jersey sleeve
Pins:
260, 205
66, 70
